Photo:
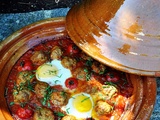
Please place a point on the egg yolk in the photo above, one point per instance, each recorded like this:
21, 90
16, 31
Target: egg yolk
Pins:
47, 71
82, 103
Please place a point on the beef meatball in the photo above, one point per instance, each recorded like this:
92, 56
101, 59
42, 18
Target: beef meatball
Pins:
98, 67
68, 62
22, 96
69, 117
103, 108
43, 114
38, 58
85, 56
56, 52
41, 89
59, 98
81, 73
24, 77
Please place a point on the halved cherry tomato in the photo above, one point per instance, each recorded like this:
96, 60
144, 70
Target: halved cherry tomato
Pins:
113, 77
72, 49
71, 83
120, 102
25, 65
24, 113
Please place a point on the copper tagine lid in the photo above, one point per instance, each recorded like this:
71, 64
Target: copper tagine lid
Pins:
123, 34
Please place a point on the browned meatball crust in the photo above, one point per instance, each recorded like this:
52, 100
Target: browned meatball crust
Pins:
69, 117
103, 108
25, 76
98, 67
21, 96
56, 52
68, 62
81, 73
59, 98
41, 89
38, 58
85, 56
43, 114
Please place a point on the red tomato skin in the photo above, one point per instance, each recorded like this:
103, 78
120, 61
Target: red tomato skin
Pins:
73, 49
24, 113
27, 65
127, 91
112, 77
120, 102
71, 83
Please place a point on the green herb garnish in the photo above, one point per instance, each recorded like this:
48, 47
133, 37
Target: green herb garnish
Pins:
67, 110
47, 96
59, 114
11, 103
85, 99
88, 75
110, 83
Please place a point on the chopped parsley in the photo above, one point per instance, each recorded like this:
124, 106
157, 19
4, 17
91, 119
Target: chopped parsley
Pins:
110, 83
88, 74
67, 110
85, 99
60, 114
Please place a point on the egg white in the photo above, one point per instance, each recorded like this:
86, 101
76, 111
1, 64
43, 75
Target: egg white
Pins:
53, 73
71, 110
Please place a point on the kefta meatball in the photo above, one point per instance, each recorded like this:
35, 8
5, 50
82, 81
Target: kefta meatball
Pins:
68, 62
85, 56
81, 73
24, 77
69, 117
103, 108
38, 58
98, 67
56, 52
43, 114
59, 98
41, 89
21, 96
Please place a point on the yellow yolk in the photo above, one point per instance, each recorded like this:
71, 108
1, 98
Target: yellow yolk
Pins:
47, 71
82, 103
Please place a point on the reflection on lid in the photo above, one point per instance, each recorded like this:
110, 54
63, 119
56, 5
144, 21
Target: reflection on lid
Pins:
133, 30
124, 49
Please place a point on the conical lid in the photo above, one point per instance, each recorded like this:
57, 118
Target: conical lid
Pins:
123, 34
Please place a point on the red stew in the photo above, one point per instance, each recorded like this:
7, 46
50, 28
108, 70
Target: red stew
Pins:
28, 98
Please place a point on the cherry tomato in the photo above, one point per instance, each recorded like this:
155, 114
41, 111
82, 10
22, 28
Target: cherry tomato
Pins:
120, 102
126, 90
25, 65
73, 49
112, 77
24, 113
80, 63
71, 83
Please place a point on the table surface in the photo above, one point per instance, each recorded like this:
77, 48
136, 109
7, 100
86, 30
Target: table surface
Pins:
11, 22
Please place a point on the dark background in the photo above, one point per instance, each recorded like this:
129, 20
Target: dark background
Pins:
20, 6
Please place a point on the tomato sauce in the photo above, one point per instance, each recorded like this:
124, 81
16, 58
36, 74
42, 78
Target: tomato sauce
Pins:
25, 111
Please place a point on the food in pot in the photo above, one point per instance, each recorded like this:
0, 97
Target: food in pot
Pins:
56, 80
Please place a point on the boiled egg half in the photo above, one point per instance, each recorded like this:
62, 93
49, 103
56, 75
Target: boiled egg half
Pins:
53, 73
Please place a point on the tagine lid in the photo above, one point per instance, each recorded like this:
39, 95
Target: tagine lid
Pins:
122, 34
